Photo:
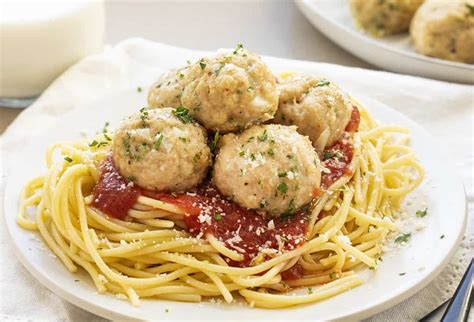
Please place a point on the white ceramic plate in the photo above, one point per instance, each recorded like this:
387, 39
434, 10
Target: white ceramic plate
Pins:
421, 260
394, 53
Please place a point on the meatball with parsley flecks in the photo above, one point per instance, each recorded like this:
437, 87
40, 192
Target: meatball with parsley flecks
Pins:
161, 149
227, 92
319, 108
445, 29
271, 168
384, 17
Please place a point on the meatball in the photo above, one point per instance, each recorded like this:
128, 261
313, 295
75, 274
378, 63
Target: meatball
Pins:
225, 93
445, 29
166, 92
161, 149
384, 17
271, 168
316, 106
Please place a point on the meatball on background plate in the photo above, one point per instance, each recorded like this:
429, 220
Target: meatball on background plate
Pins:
394, 53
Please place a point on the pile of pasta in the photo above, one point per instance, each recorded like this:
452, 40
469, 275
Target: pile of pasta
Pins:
150, 254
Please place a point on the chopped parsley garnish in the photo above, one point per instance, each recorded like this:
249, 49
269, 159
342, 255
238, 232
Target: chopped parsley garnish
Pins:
241, 153
103, 143
327, 155
68, 159
158, 142
239, 46
262, 137
202, 64
197, 157
282, 174
333, 275
139, 89
144, 114
93, 143
441, 237
323, 83
218, 70
183, 114
470, 7
131, 178
422, 213
105, 128
403, 238
310, 290
217, 217
282, 187
270, 152
372, 268
108, 138
401, 274
215, 141
252, 157
250, 88
167, 310
180, 75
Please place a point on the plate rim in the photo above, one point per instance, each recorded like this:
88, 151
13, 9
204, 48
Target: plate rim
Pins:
365, 311
311, 5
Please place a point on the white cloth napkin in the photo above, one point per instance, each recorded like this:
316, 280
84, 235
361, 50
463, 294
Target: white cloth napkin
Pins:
444, 109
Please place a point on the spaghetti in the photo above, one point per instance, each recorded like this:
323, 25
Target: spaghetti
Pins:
164, 247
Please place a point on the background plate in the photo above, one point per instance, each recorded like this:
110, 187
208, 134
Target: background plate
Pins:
394, 53
421, 260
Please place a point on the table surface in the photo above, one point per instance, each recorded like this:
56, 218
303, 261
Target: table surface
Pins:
268, 27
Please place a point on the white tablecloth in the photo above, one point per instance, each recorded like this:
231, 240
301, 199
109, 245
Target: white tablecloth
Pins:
444, 109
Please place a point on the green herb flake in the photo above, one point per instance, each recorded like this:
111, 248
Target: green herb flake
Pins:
333, 275
108, 138
202, 64
441, 237
422, 213
250, 88
241, 153
282, 174
372, 268
403, 238
327, 155
93, 143
215, 141
282, 188
239, 47
139, 89
270, 152
158, 141
323, 83
131, 178
402, 274
262, 137
68, 159
197, 157
182, 113
252, 157
217, 216
105, 128
310, 290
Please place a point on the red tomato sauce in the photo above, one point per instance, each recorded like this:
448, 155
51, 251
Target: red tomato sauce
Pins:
293, 273
242, 230
354, 122
338, 157
113, 194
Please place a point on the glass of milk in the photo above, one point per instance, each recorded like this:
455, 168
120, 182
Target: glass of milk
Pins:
40, 39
